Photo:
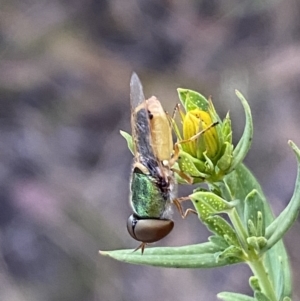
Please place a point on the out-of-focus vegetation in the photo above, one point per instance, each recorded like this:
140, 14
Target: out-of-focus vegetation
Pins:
64, 169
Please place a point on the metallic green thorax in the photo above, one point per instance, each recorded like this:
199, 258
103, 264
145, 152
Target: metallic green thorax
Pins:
147, 200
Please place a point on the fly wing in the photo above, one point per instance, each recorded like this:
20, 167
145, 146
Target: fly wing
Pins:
140, 125
142, 133
136, 91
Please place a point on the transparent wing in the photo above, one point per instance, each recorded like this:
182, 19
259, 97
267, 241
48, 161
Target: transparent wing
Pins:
136, 91
140, 125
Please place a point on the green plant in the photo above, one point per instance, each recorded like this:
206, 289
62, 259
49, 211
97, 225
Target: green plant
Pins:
252, 235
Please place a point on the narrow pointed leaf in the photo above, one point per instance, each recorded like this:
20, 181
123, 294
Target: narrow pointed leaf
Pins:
244, 144
225, 161
284, 221
261, 228
194, 256
227, 130
128, 138
227, 296
251, 228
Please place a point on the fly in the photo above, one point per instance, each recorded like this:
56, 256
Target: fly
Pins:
152, 185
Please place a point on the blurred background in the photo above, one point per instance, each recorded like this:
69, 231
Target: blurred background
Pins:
65, 68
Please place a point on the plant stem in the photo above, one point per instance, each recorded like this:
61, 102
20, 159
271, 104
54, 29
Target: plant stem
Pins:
239, 227
259, 270
253, 260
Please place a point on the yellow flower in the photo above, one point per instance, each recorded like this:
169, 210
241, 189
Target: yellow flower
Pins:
195, 123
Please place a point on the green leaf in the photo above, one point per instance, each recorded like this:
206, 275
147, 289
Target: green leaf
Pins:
252, 231
227, 129
260, 224
252, 241
218, 241
178, 178
257, 243
209, 164
227, 296
241, 150
240, 182
254, 212
254, 283
280, 279
262, 241
259, 296
221, 227
192, 100
225, 161
231, 251
191, 165
207, 203
128, 138
193, 256
285, 220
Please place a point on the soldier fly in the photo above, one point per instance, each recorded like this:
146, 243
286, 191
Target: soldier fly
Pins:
152, 185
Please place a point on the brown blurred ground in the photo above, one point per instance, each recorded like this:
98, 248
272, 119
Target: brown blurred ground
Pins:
64, 169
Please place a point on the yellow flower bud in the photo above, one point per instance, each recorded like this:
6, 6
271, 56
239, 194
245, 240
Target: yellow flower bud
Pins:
194, 122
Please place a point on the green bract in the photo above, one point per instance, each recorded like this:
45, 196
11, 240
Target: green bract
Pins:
233, 208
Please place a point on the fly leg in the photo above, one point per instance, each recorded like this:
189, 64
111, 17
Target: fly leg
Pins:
177, 202
199, 133
141, 246
173, 160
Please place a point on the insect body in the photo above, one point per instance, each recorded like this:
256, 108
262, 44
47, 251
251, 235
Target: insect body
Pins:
152, 182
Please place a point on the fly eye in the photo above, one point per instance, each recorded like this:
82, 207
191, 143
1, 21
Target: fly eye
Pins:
149, 230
